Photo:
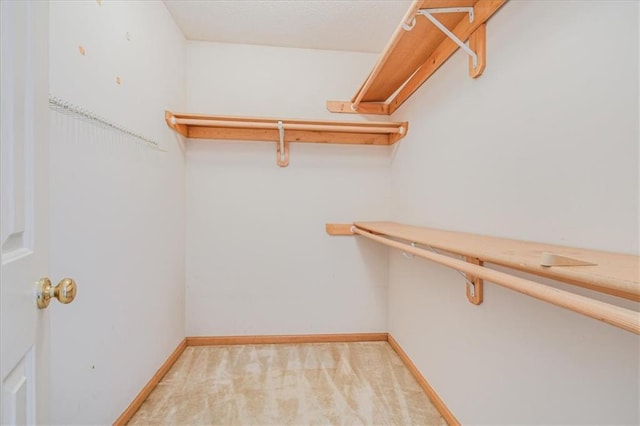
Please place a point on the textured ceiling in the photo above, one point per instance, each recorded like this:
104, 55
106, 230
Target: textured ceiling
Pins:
356, 25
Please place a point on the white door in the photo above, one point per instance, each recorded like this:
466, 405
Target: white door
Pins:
24, 233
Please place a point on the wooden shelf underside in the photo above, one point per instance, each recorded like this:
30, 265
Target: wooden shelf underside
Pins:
613, 273
411, 57
200, 126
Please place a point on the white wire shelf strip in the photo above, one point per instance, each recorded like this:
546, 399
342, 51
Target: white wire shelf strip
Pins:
67, 107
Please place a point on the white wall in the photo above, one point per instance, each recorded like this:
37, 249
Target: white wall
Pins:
117, 207
542, 147
547, 151
258, 258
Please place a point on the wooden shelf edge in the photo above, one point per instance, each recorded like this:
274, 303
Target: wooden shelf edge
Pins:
377, 108
339, 229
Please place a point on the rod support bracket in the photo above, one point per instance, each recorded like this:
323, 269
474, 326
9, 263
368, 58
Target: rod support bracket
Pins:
475, 285
283, 148
409, 255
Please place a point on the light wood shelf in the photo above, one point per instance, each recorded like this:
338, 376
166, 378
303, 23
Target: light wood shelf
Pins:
200, 126
412, 56
286, 130
613, 273
610, 273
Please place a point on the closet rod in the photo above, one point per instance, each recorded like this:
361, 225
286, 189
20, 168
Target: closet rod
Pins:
615, 315
287, 126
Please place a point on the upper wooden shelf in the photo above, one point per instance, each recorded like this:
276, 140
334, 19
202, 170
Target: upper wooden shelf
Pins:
612, 273
416, 50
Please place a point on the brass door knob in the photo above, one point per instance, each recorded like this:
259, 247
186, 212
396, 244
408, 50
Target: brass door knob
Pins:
65, 291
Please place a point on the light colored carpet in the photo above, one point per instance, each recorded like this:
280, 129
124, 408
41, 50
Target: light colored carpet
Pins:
297, 384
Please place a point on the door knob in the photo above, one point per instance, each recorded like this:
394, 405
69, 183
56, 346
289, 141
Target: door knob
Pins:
65, 291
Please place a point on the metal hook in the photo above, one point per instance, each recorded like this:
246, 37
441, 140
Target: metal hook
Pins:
281, 132
409, 26
283, 149
409, 255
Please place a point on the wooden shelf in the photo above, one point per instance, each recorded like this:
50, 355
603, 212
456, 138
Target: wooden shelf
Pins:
200, 126
284, 131
611, 273
412, 56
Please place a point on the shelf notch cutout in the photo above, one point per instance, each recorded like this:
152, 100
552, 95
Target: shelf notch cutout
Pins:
477, 41
551, 259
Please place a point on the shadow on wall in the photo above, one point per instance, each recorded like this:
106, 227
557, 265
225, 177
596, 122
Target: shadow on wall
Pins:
255, 154
370, 255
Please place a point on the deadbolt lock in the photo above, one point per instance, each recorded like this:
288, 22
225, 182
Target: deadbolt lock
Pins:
65, 291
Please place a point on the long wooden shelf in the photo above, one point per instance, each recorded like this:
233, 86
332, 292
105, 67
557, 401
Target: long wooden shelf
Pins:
613, 273
413, 55
200, 126
284, 131
610, 273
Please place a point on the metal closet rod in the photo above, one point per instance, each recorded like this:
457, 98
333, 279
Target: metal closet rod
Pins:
287, 126
611, 314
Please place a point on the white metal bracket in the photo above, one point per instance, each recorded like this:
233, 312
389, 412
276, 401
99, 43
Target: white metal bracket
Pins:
409, 255
471, 289
283, 147
428, 13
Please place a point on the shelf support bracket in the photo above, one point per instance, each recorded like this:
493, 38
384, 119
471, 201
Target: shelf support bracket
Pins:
409, 255
476, 50
475, 291
283, 147
428, 13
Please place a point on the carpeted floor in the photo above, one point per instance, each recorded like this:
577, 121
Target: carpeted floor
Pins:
297, 384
